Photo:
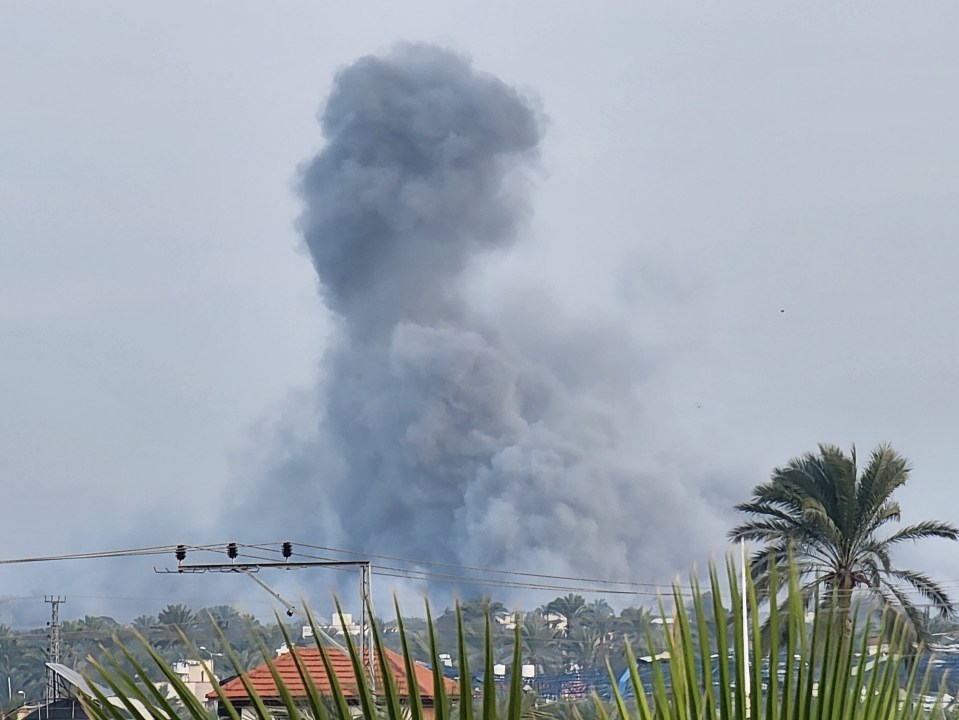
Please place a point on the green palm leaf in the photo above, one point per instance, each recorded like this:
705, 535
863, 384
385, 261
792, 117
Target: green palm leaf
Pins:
827, 672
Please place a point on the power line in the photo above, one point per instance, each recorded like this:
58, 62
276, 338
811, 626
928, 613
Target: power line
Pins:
464, 579
524, 580
456, 579
102, 554
461, 579
430, 563
417, 573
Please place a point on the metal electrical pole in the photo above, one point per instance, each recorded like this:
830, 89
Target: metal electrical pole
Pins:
249, 568
54, 648
366, 623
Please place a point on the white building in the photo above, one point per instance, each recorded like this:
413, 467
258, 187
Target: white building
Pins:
339, 624
194, 675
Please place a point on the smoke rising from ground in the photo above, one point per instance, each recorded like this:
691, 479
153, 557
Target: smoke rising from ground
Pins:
435, 435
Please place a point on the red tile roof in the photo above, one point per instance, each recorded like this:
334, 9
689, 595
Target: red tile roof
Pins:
261, 678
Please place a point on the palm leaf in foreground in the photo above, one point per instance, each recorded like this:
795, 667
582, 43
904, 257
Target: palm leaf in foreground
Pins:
815, 672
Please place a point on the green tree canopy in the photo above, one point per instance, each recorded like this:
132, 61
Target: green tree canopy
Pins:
569, 607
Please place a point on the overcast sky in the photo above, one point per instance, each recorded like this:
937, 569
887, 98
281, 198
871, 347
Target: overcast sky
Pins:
760, 199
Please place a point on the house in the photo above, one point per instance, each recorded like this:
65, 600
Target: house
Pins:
262, 681
555, 621
339, 624
194, 674
507, 619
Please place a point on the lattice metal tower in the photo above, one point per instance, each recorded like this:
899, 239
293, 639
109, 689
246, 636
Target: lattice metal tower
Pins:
54, 646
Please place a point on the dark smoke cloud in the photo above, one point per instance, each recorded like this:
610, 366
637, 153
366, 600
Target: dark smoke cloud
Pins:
434, 435
412, 184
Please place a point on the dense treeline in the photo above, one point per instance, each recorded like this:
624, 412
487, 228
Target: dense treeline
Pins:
568, 633
219, 629
808, 667
565, 635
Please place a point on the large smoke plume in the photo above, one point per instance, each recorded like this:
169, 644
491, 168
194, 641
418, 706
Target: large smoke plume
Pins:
437, 436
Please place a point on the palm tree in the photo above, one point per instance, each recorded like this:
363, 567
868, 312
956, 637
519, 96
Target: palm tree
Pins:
825, 515
568, 607
604, 628
634, 623
476, 610
171, 622
29, 669
143, 623
224, 616
541, 645
84, 636
598, 608
178, 614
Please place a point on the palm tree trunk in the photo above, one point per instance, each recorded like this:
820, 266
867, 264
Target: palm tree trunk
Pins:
843, 606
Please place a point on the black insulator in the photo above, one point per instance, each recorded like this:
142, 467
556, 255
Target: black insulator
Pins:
231, 550
287, 549
181, 552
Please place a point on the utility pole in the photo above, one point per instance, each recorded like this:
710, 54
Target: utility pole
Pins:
366, 623
54, 648
250, 568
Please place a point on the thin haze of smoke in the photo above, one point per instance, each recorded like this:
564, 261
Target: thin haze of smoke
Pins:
434, 436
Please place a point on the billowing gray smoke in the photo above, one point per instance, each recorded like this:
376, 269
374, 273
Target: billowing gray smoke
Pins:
438, 438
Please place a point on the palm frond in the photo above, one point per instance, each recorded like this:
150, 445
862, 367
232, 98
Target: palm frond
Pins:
925, 529
886, 472
765, 508
823, 525
839, 471
905, 607
803, 480
763, 530
887, 512
926, 587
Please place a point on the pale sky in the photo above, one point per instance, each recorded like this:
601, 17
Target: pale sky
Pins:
758, 199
